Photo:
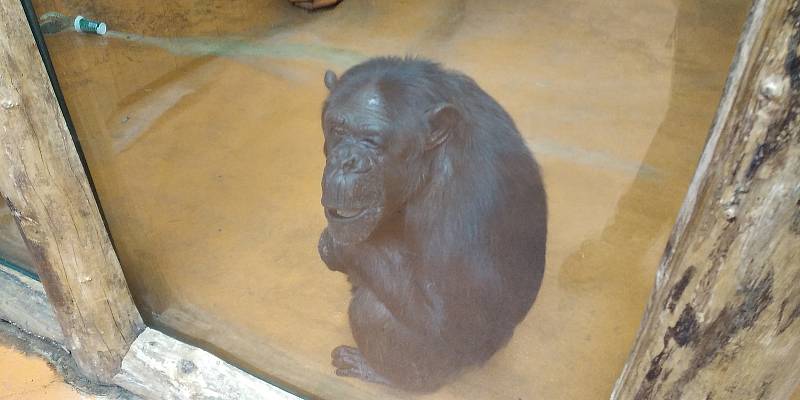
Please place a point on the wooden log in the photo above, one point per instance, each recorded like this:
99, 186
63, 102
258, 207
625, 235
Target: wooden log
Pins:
156, 366
160, 367
24, 304
43, 181
723, 319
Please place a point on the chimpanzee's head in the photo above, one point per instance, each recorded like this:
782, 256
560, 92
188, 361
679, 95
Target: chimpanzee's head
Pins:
383, 122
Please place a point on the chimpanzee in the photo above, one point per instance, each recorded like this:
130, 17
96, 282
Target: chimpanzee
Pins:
437, 214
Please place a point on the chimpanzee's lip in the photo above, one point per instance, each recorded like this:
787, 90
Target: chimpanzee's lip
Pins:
344, 213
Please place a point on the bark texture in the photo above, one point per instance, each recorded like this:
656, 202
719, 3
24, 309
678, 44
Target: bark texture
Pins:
722, 322
43, 181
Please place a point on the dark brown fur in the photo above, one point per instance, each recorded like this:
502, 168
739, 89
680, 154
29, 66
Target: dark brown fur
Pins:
436, 212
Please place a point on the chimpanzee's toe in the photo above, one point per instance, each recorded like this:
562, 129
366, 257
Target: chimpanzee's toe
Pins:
349, 362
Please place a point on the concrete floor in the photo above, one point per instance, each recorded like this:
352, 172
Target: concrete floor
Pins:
200, 123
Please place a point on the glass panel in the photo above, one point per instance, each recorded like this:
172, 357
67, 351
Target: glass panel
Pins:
13, 253
200, 120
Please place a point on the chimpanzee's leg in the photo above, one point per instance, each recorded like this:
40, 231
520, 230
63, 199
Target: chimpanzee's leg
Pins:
390, 352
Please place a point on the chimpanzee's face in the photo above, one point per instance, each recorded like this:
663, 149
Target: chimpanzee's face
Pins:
372, 162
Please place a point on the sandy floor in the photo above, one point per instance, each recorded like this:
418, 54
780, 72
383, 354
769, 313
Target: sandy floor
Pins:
32, 368
25, 375
29, 378
200, 122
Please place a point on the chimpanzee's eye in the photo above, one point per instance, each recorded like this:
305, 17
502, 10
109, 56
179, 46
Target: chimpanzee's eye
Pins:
372, 142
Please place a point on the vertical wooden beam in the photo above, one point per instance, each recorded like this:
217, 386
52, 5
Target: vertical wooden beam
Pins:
44, 183
723, 321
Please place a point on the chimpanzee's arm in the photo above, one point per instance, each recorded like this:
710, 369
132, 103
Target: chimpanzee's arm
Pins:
387, 270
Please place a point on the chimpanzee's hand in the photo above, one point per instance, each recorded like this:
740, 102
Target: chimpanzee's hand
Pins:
330, 252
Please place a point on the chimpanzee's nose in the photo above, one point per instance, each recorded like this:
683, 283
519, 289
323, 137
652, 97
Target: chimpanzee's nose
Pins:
350, 160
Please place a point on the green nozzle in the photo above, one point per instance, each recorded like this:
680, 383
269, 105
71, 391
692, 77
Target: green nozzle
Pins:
85, 25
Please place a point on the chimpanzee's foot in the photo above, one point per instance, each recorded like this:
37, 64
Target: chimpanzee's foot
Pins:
349, 362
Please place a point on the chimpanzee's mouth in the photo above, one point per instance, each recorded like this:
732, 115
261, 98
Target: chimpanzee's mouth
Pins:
345, 213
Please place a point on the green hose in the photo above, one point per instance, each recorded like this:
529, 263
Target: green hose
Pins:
54, 22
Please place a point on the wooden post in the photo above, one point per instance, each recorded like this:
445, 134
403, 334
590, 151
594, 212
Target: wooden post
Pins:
43, 182
723, 321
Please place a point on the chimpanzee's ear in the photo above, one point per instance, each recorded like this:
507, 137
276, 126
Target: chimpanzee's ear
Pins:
330, 79
444, 120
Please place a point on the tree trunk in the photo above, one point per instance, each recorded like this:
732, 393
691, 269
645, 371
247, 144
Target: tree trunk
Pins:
43, 181
722, 322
